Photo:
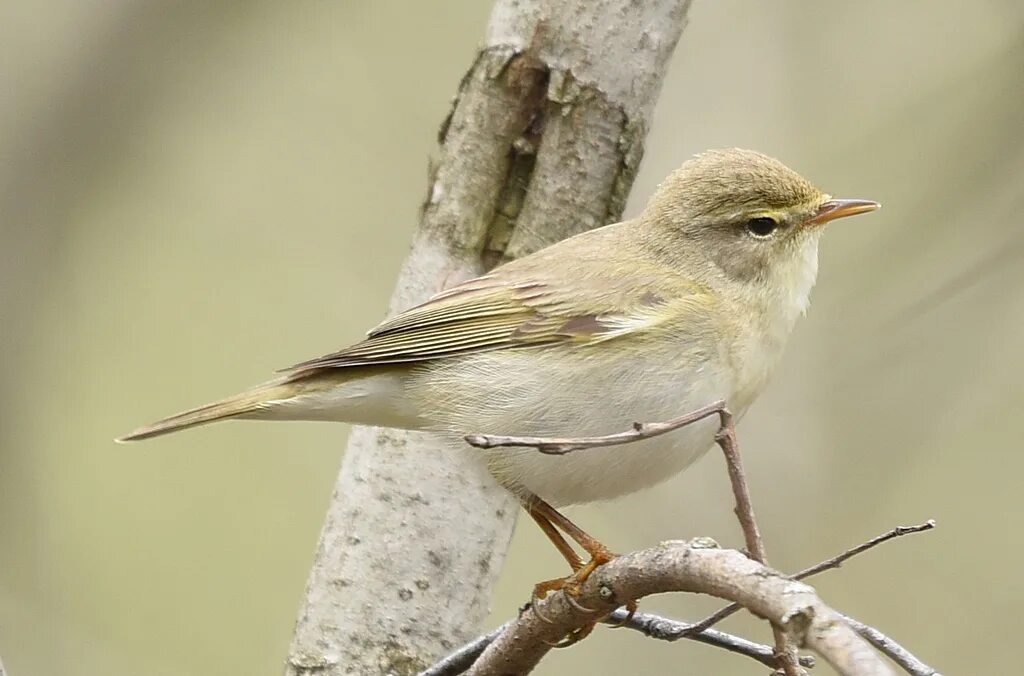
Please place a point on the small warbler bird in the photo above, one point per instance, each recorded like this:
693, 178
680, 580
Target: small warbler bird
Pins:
689, 303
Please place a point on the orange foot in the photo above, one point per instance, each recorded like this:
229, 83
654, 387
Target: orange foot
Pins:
554, 524
571, 587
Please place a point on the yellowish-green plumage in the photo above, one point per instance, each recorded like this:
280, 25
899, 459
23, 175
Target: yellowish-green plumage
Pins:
642, 320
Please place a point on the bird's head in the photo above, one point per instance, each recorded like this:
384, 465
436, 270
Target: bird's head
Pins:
750, 216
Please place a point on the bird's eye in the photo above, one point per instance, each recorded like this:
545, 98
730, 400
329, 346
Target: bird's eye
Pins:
762, 227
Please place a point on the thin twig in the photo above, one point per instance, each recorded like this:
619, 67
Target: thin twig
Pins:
664, 629
672, 630
788, 658
561, 446
462, 659
840, 559
828, 564
891, 649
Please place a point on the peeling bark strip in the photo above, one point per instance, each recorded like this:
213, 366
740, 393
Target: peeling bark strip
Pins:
543, 142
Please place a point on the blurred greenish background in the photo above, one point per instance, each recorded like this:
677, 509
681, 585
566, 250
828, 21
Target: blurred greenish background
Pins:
195, 193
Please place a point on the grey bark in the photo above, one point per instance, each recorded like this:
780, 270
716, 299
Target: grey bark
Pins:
543, 142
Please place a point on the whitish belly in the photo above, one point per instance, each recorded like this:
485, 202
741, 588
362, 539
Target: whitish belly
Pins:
522, 394
602, 473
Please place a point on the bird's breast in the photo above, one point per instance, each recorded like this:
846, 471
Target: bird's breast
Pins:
571, 393
764, 319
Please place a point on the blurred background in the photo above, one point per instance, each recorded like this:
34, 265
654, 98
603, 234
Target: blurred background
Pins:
193, 194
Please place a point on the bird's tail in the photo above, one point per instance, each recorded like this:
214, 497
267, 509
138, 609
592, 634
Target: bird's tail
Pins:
246, 404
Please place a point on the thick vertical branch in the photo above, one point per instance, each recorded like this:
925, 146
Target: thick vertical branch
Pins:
543, 142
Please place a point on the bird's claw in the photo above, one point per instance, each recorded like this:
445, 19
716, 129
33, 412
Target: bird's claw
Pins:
574, 637
535, 605
569, 593
570, 587
570, 598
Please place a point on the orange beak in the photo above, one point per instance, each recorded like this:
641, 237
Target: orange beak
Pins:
833, 209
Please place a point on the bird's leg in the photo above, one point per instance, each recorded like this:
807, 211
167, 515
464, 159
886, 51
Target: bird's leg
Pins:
599, 554
556, 538
542, 589
551, 521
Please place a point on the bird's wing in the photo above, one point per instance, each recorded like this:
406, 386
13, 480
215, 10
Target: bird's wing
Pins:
494, 311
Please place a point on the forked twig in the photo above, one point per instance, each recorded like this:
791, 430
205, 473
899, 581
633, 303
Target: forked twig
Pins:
665, 629
787, 655
725, 437
695, 566
652, 626
828, 564
561, 446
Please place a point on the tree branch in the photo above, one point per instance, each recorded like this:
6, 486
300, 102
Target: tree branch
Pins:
828, 564
726, 440
563, 445
652, 626
786, 654
462, 659
665, 629
694, 566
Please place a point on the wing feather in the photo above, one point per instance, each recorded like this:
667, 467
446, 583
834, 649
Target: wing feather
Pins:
490, 312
